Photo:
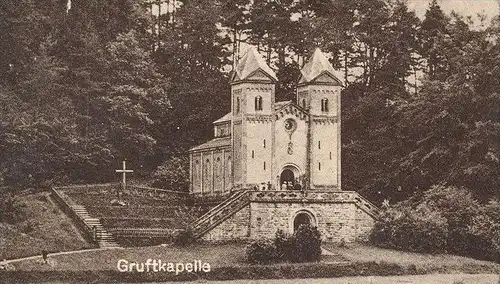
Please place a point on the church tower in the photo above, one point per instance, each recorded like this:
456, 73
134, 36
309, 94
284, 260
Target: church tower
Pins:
252, 107
318, 91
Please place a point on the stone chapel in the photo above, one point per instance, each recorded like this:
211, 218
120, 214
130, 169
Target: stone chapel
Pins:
284, 155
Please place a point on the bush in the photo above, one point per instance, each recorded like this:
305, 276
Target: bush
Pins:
261, 251
442, 219
184, 237
173, 174
303, 246
485, 232
307, 244
11, 208
284, 244
418, 230
458, 207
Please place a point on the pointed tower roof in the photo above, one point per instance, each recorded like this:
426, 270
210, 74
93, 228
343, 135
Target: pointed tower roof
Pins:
250, 64
316, 66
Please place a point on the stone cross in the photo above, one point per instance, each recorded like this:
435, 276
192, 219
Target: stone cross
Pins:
124, 172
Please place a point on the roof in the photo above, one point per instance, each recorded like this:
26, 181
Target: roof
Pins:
214, 143
225, 118
277, 105
289, 104
317, 65
250, 63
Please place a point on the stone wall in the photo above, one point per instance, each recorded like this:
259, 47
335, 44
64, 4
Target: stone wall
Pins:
364, 225
233, 228
337, 221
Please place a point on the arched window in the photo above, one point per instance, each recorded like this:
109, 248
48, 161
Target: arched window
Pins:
264, 143
319, 166
319, 144
304, 103
253, 154
324, 105
258, 103
264, 166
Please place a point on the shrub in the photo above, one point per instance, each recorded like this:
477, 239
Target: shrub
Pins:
261, 251
458, 207
442, 219
307, 244
173, 174
419, 230
485, 232
284, 244
11, 208
304, 245
184, 237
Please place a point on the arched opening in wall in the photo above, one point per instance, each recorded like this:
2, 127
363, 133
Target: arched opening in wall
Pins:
287, 177
303, 218
290, 178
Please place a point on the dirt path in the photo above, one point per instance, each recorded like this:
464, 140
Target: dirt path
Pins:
411, 279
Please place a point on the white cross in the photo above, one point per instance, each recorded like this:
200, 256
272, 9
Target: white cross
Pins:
124, 172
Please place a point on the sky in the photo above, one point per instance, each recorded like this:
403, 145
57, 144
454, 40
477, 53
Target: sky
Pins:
464, 7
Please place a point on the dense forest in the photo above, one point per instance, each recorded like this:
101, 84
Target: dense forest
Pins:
85, 85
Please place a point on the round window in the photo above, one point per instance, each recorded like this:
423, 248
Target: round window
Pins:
290, 124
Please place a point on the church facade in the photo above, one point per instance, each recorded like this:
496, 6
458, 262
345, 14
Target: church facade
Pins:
262, 143
278, 163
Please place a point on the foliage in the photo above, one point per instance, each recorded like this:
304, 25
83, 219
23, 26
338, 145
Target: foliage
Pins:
184, 237
307, 244
419, 230
11, 208
173, 174
284, 244
261, 251
85, 88
303, 246
441, 219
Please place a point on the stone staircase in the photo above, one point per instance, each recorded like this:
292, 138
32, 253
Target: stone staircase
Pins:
221, 212
103, 238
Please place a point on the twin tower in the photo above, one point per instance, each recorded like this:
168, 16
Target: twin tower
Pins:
273, 145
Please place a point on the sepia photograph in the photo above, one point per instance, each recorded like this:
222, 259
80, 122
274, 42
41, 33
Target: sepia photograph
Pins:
250, 141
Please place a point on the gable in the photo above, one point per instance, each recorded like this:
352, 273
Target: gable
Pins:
259, 75
327, 78
324, 77
291, 108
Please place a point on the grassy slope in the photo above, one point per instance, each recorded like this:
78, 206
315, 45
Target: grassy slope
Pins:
45, 227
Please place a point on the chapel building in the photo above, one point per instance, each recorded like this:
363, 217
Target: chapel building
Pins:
264, 144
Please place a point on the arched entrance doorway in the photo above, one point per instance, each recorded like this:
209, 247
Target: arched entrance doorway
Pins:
301, 219
289, 176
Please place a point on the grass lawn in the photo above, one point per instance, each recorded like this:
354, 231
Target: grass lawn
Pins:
227, 262
44, 227
424, 263
233, 255
218, 255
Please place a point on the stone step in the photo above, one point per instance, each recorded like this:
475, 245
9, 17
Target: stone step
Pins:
109, 245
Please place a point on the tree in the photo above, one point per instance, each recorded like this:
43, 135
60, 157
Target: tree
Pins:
193, 55
433, 31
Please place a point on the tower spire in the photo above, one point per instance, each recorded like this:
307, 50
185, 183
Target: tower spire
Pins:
316, 66
251, 63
